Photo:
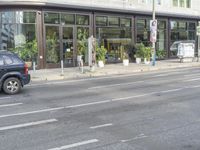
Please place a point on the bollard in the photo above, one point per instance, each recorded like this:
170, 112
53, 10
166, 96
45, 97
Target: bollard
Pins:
34, 66
62, 68
81, 65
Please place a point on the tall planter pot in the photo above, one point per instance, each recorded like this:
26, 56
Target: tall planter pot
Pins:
125, 62
138, 60
100, 64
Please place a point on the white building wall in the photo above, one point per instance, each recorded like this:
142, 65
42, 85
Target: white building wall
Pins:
165, 7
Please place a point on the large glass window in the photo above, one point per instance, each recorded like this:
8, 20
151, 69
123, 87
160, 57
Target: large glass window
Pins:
181, 30
113, 21
182, 3
68, 19
125, 22
51, 18
52, 45
82, 19
143, 33
18, 34
114, 36
101, 20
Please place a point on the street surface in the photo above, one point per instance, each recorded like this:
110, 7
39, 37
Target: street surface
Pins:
142, 111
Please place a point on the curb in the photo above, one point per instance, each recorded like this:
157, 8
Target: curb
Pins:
78, 75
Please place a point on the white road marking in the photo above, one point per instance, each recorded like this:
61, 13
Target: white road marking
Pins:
190, 80
27, 124
88, 104
75, 145
9, 105
5, 97
113, 85
190, 75
98, 102
101, 126
173, 90
141, 136
166, 74
32, 112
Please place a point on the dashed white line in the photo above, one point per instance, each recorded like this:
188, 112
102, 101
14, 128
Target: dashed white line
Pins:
113, 85
88, 104
141, 136
190, 75
98, 102
27, 124
32, 112
75, 144
5, 98
10, 105
190, 80
173, 90
101, 126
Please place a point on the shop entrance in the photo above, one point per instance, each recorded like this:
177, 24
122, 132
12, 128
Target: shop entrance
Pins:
60, 45
68, 46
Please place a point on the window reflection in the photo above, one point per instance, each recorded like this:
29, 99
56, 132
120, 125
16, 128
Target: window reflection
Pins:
18, 34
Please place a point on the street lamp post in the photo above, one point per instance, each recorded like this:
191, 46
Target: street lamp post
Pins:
154, 43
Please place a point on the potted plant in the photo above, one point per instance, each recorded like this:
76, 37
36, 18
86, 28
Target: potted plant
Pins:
81, 44
27, 51
160, 54
124, 55
147, 55
125, 59
139, 54
100, 55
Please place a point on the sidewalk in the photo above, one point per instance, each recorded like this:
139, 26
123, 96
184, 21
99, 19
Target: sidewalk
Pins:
109, 69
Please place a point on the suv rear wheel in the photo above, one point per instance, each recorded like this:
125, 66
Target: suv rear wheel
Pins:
12, 85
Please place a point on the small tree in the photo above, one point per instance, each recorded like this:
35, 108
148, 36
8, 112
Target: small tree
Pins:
147, 53
101, 53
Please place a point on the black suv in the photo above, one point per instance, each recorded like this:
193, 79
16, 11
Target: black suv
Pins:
13, 72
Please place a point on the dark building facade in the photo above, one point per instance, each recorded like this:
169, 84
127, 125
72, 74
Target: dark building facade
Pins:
47, 33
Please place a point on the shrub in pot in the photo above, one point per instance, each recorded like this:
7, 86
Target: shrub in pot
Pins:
100, 55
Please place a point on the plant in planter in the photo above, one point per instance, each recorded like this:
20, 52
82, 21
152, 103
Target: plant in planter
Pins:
82, 35
139, 54
131, 51
100, 55
147, 55
161, 54
125, 59
28, 51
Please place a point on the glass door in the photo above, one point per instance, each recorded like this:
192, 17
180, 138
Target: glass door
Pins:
68, 46
52, 46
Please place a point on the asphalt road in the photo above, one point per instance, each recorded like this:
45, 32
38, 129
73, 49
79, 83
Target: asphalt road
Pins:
143, 111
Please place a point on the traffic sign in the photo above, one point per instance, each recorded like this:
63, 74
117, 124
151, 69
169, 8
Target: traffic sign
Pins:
153, 29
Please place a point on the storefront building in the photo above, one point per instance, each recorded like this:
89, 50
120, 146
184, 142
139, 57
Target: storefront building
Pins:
46, 33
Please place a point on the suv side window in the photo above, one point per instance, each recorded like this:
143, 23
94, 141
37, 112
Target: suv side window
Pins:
7, 60
16, 60
11, 59
1, 61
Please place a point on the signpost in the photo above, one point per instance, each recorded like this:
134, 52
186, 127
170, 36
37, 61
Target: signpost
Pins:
153, 27
198, 34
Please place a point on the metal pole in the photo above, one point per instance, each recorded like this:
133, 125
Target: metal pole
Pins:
153, 43
198, 53
34, 66
62, 68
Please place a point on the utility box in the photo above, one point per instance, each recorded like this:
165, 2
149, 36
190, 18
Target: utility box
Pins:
185, 50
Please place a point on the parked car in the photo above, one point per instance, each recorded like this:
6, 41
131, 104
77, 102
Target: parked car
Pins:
13, 73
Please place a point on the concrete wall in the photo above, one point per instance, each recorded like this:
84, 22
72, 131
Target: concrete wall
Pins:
166, 6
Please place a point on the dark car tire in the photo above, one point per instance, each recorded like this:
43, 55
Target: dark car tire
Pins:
12, 85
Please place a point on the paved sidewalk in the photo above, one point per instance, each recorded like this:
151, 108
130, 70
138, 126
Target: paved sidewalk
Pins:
109, 69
